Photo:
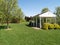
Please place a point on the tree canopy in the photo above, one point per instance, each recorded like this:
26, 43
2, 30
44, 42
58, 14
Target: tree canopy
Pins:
57, 12
9, 9
44, 10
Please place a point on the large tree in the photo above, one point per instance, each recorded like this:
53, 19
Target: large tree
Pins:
17, 13
44, 10
7, 7
57, 12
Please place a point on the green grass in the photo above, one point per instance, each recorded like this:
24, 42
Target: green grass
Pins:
20, 34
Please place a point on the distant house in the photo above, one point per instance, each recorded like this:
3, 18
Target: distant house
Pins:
41, 18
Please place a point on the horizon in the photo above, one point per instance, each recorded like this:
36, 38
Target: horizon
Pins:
33, 7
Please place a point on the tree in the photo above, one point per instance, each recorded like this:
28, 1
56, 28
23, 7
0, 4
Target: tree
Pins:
17, 13
8, 10
1, 11
44, 10
7, 7
57, 12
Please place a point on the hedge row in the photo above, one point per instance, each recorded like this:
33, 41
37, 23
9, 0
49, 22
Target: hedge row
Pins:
51, 26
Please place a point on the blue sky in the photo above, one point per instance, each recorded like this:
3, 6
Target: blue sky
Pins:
33, 7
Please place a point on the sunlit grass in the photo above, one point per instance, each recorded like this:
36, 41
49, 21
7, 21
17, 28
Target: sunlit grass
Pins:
20, 34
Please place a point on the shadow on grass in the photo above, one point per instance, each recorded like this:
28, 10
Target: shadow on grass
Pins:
28, 25
31, 25
3, 27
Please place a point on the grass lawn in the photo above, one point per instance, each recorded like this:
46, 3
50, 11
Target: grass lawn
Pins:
20, 34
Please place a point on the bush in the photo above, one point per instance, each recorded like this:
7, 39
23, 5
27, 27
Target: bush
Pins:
45, 26
56, 26
30, 23
15, 20
22, 20
51, 26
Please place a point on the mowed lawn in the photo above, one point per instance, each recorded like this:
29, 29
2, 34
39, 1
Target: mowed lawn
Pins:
20, 34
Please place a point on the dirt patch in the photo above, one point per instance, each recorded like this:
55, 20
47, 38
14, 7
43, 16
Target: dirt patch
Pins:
9, 29
36, 28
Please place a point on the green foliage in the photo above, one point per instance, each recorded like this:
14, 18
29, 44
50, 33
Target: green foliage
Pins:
9, 9
45, 26
51, 26
57, 12
22, 20
15, 20
44, 10
56, 26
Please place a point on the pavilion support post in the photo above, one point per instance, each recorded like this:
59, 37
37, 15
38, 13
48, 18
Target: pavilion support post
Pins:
55, 19
46, 20
43, 21
33, 21
36, 21
40, 22
50, 20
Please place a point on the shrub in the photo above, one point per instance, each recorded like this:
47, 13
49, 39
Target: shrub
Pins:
45, 26
56, 26
15, 20
30, 23
22, 20
51, 26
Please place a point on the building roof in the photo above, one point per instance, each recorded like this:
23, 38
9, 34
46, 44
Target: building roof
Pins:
47, 14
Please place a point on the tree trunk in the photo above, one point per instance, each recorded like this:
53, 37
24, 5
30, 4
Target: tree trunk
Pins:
7, 21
